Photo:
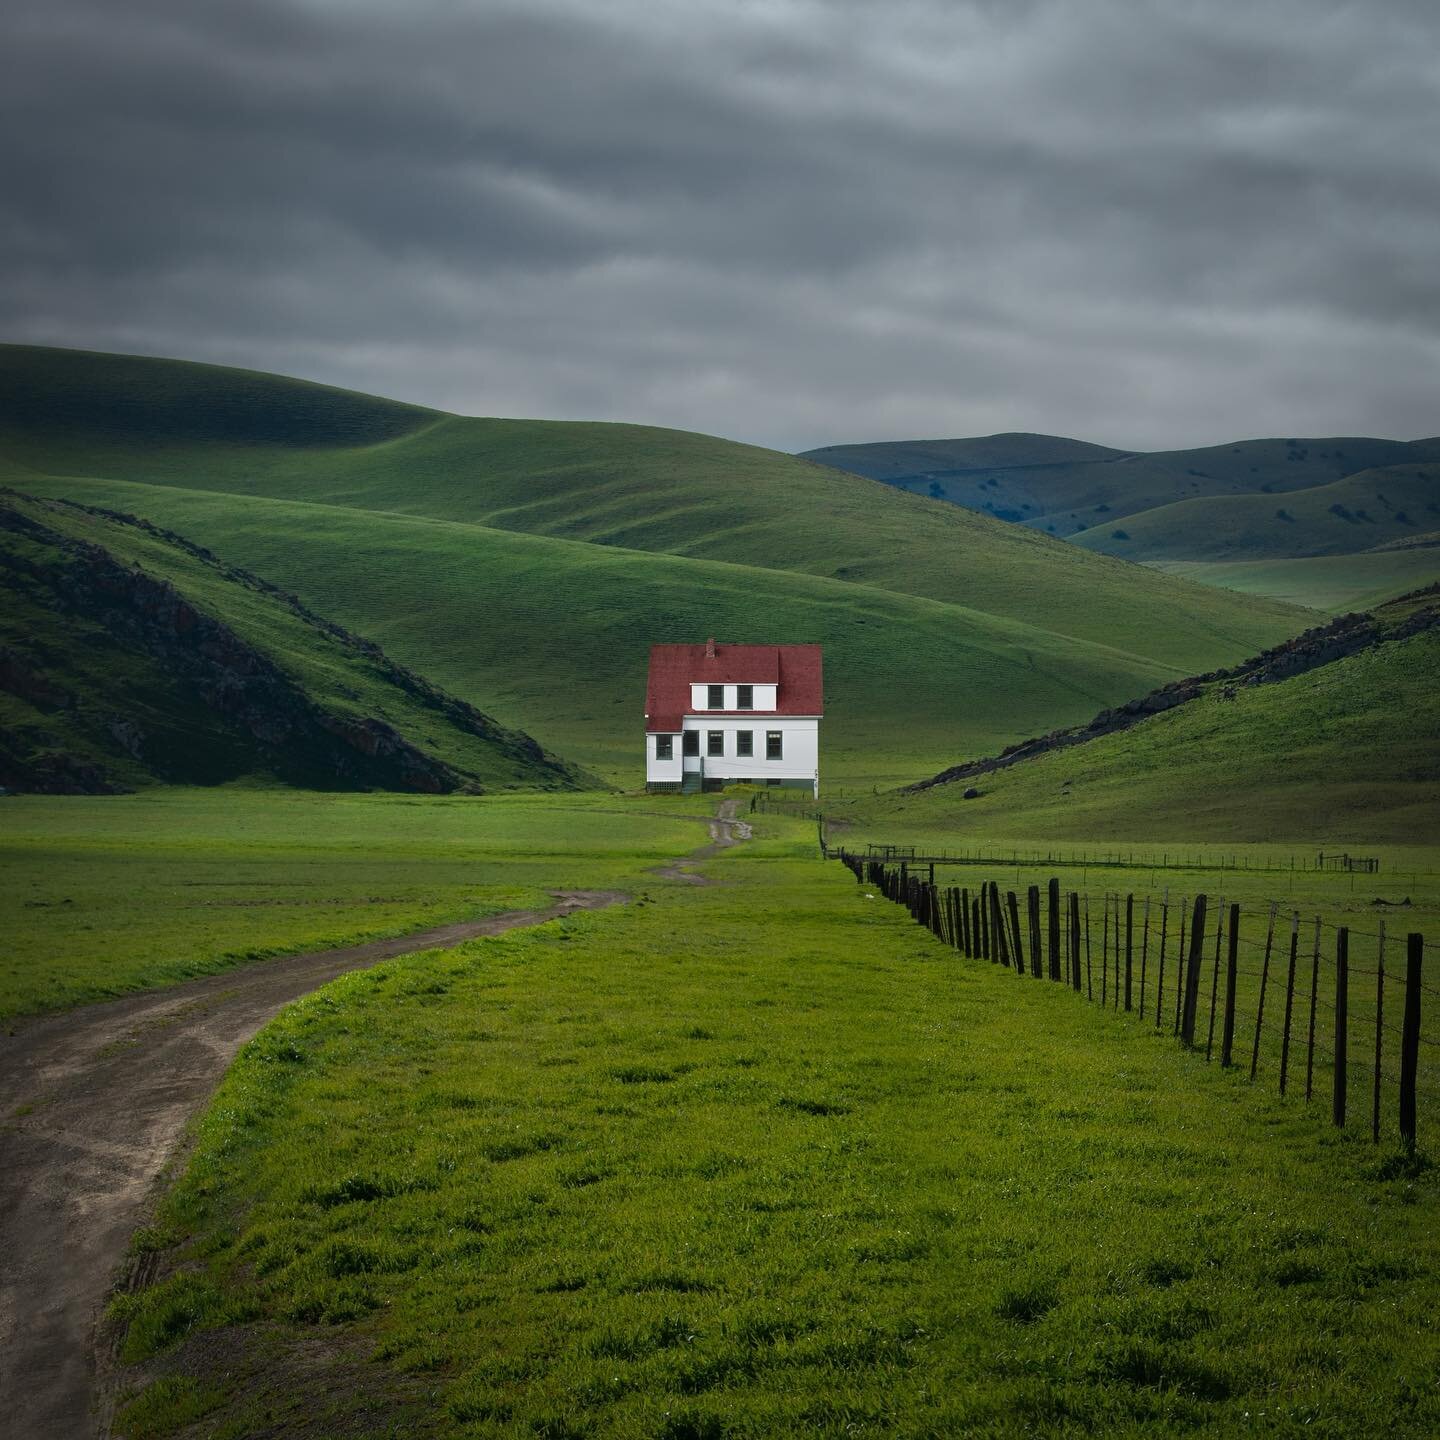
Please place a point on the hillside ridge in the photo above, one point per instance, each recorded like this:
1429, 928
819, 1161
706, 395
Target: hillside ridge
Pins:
1319, 646
258, 705
526, 565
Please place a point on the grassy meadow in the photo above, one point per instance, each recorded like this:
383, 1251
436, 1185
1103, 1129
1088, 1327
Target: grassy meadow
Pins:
1342, 756
111, 894
765, 1158
1323, 582
757, 1157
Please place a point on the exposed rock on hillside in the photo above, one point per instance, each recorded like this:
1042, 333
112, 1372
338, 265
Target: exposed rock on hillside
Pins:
1323, 645
253, 701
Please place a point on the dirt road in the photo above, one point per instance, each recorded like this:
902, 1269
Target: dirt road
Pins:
725, 830
92, 1104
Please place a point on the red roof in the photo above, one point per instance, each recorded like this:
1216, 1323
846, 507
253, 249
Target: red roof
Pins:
794, 669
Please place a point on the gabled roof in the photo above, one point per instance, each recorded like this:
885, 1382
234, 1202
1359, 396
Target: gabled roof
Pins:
794, 669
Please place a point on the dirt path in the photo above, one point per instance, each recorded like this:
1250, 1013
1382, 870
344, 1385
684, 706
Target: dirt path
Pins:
92, 1104
725, 830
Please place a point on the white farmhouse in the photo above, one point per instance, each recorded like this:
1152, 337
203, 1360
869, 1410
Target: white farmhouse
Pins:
725, 714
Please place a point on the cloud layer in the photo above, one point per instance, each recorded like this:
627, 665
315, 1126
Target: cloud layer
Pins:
798, 222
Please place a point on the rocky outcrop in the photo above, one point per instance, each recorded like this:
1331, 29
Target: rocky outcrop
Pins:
250, 697
1323, 645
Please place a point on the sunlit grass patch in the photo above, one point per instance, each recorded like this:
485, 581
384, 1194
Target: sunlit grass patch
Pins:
889, 1188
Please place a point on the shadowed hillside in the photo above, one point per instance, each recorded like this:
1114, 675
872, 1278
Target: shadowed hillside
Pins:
1066, 486
1251, 516
128, 656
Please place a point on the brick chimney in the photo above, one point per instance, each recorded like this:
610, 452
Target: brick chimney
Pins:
710, 648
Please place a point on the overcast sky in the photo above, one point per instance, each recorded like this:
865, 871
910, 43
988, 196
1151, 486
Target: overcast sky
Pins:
797, 222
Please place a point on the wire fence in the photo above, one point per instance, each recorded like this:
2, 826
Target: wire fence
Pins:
1318, 1010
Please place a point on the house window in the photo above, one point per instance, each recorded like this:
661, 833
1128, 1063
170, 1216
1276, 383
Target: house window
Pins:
715, 743
744, 742
664, 747
774, 744
715, 697
744, 697
692, 742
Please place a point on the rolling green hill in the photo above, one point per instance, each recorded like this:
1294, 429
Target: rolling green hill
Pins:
1357, 513
1250, 516
1348, 752
556, 633
530, 564
128, 656
1323, 582
1066, 486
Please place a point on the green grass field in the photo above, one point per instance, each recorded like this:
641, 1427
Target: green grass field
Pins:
1324, 582
1344, 755
764, 1158
760, 1157
112, 894
528, 566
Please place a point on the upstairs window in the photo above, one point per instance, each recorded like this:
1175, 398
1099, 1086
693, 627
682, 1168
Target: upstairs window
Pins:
692, 742
715, 743
664, 747
715, 697
774, 744
744, 697
744, 742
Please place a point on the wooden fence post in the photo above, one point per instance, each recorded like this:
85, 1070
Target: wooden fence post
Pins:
1410, 1037
967, 934
1105, 956
1160, 978
1129, 950
1180, 967
1232, 965
1089, 963
1314, 995
997, 926
1054, 918
1032, 908
1215, 978
1193, 964
1013, 905
1144, 952
1075, 941
1264, 980
1379, 1031
1342, 1015
1289, 997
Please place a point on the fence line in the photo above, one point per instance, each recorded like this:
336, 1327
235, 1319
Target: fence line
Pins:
1333, 1014
1157, 858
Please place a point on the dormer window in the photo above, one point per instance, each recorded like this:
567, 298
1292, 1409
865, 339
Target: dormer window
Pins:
715, 697
744, 697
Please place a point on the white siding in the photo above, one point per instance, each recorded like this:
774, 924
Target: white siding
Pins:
800, 741
764, 697
657, 770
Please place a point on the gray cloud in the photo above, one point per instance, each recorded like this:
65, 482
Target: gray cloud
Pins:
791, 221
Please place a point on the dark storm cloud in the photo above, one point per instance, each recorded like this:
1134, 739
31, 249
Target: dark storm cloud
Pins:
1143, 223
